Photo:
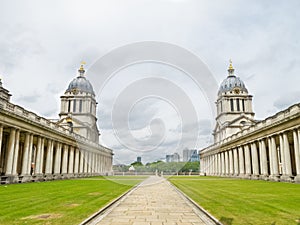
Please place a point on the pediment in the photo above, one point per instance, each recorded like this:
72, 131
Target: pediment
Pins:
242, 121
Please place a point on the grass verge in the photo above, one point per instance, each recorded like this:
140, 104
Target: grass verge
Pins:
60, 202
234, 201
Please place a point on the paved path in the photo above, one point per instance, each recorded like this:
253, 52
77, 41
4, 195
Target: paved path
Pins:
154, 202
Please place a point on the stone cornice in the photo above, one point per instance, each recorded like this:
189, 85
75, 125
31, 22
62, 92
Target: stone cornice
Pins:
284, 120
14, 115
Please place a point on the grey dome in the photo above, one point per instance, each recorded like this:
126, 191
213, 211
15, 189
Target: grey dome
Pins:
80, 83
230, 83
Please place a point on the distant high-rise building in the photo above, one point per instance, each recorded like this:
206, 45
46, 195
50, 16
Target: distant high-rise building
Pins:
169, 158
176, 157
194, 156
186, 155
190, 155
139, 159
173, 158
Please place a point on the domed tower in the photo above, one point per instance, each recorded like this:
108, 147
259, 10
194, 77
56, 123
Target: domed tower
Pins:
78, 108
234, 107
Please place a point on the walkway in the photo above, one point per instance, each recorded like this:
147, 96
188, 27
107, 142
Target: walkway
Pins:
154, 202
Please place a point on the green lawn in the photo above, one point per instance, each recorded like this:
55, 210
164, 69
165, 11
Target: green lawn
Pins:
234, 201
60, 202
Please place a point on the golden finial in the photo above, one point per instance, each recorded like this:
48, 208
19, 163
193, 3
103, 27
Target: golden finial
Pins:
81, 69
230, 69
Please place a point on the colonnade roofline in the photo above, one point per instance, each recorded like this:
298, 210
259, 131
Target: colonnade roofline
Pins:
271, 125
32, 120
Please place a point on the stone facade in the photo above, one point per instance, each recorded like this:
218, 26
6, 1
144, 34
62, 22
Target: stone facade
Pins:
267, 149
33, 148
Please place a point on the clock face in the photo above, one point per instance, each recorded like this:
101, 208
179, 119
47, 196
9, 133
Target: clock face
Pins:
75, 91
236, 91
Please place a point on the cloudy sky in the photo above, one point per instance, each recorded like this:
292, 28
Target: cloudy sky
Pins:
43, 42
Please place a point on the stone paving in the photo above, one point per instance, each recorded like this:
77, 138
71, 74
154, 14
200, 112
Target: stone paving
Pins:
154, 202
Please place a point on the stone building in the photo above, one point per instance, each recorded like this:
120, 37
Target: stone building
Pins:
33, 148
246, 148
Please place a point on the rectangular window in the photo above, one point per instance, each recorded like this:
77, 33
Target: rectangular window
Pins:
221, 106
69, 105
231, 105
238, 105
80, 105
243, 105
74, 105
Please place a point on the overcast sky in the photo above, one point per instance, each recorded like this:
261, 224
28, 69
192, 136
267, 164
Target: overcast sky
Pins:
43, 42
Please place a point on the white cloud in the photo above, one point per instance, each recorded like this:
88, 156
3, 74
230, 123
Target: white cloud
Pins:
42, 44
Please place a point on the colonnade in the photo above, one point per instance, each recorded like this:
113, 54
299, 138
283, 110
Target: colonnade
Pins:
28, 156
274, 157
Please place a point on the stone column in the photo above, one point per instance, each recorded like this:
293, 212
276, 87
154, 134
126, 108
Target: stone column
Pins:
16, 153
42, 164
255, 164
92, 162
71, 161
209, 164
241, 162
96, 163
223, 163
89, 162
247, 160
101, 165
81, 164
287, 157
273, 159
1, 137
216, 164
64, 168
296, 137
213, 159
30, 154
57, 160
10, 152
230, 162
110, 164
281, 148
26, 158
206, 165
235, 162
212, 164
263, 159
101, 169
76, 164
37, 165
86, 165
49, 159
226, 163
219, 164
